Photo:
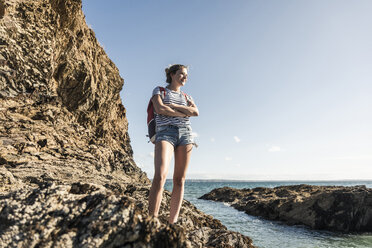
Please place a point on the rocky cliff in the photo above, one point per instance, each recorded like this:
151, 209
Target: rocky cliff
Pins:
67, 175
334, 208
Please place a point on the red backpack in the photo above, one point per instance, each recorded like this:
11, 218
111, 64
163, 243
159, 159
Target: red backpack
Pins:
151, 126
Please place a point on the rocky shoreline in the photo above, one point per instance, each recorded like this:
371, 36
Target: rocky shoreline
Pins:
67, 174
78, 214
333, 208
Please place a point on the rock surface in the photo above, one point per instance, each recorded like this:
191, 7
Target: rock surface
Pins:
334, 208
90, 215
67, 175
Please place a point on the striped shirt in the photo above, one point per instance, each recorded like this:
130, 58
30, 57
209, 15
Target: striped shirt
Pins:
172, 97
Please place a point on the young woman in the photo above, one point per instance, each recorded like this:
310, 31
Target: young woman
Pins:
173, 135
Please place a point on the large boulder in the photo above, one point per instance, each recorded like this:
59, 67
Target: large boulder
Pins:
59, 95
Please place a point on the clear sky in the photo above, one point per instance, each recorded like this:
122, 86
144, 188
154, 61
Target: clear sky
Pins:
284, 88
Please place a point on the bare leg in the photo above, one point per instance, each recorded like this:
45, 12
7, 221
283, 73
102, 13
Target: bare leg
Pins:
181, 159
163, 154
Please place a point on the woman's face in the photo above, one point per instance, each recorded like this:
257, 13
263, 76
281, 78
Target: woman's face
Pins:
180, 77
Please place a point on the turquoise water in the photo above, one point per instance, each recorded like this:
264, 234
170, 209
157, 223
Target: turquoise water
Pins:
270, 234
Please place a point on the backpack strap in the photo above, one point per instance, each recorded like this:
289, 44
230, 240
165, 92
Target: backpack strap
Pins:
186, 97
162, 91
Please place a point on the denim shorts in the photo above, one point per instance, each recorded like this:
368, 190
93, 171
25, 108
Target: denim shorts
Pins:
177, 136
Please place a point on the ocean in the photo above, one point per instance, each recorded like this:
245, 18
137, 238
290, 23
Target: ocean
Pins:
270, 234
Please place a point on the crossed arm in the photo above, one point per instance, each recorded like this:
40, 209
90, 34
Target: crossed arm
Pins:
174, 109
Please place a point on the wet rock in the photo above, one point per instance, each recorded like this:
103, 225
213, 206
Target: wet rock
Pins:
334, 208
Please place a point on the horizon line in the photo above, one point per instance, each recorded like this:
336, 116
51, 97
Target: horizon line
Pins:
277, 180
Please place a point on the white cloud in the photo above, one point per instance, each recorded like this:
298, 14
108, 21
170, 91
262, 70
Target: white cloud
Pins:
152, 154
194, 134
228, 158
236, 138
274, 149
213, 139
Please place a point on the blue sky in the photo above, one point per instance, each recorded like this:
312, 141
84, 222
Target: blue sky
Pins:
283, 87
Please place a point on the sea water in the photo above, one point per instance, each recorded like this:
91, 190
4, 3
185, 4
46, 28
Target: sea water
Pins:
265, 233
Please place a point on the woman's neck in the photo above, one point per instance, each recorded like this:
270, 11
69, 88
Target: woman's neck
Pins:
174, 87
